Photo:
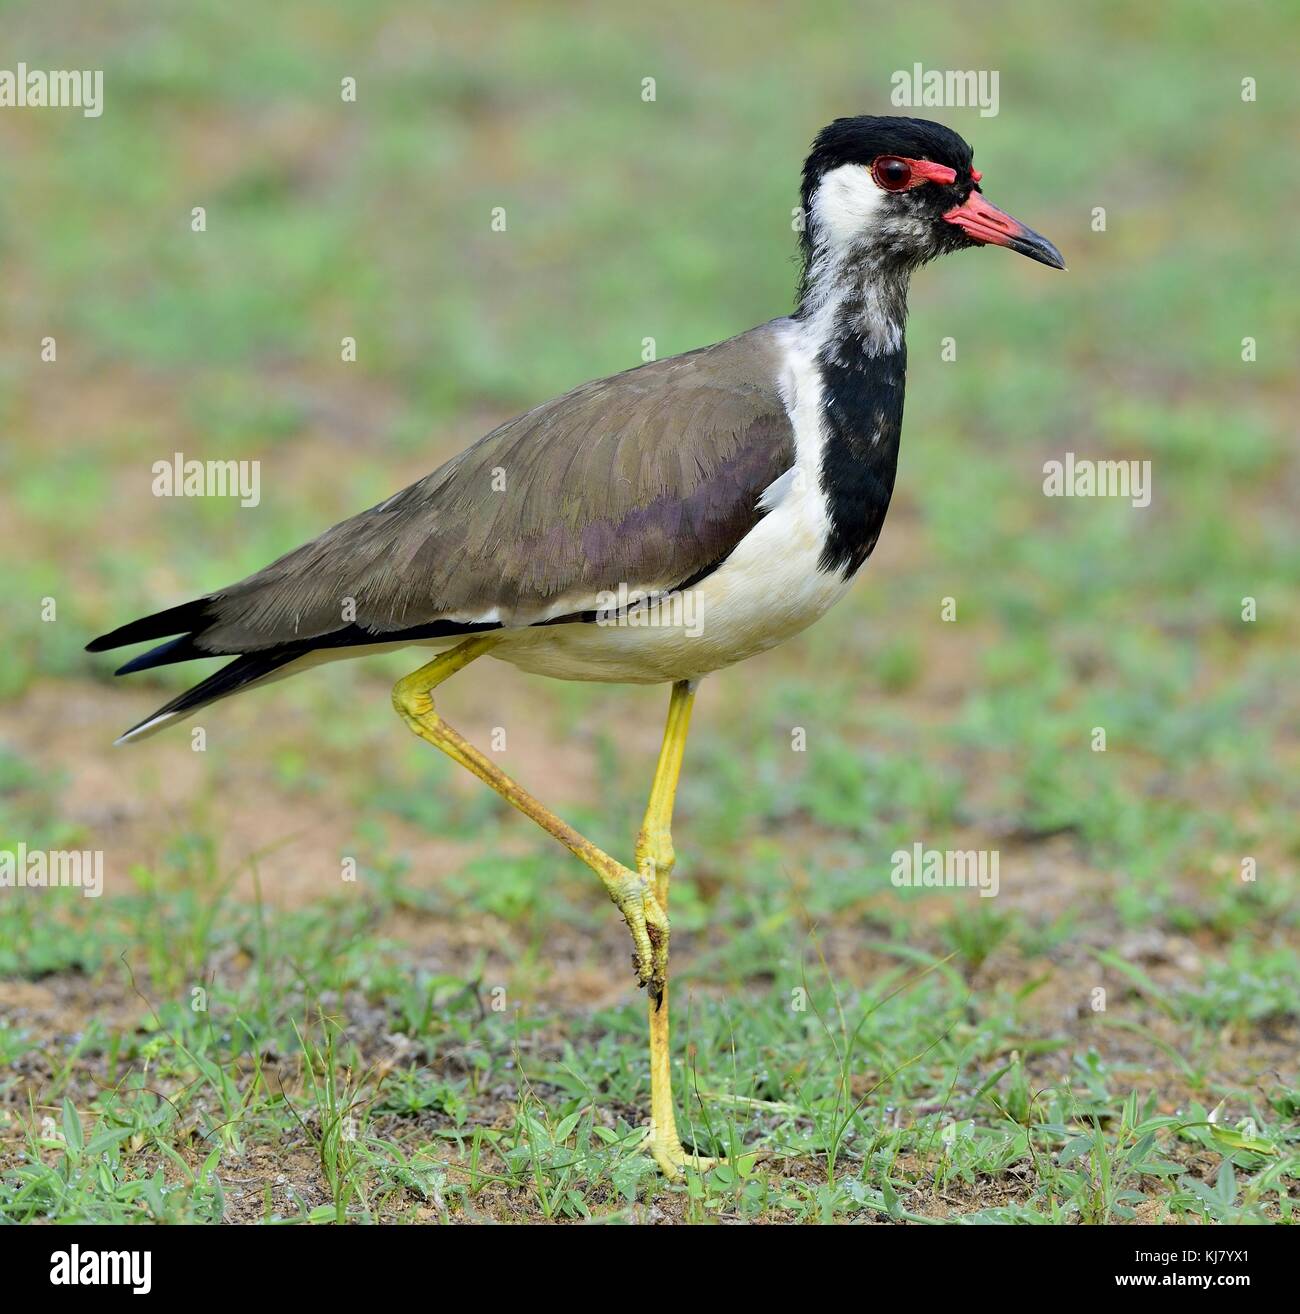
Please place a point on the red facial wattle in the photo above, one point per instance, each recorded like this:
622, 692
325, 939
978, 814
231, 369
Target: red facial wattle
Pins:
928, 171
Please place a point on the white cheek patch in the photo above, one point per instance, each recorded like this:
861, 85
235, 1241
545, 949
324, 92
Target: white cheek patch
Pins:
847, 202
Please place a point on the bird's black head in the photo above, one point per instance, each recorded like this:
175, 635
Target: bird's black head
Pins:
898, 192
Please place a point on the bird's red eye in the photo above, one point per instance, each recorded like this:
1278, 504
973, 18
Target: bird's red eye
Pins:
891, 173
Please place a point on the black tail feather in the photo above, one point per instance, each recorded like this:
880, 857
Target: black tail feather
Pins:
236, 675
188, 617
189, 622
182, 649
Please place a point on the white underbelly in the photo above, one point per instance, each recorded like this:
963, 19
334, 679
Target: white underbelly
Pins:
768, 590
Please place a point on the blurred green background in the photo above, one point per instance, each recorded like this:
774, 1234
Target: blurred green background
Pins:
347, 1063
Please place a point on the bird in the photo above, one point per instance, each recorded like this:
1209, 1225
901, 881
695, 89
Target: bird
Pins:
652, 527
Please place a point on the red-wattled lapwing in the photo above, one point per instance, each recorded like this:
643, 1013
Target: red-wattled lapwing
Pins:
648, 528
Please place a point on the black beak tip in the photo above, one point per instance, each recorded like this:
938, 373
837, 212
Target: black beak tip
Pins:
1037, 247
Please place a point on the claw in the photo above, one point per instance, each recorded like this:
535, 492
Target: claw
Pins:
648, 923
659, 961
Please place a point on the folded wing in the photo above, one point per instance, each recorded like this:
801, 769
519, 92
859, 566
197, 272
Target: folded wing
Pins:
647, 479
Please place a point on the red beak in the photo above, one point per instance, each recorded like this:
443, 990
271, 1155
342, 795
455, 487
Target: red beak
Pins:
985, 223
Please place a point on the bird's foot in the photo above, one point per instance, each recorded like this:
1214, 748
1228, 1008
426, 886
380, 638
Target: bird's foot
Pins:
634, 896
674, 1160
669, 1153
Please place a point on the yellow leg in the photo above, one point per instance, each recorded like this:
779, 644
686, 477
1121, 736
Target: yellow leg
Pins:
654, 860
633, 892
654, 844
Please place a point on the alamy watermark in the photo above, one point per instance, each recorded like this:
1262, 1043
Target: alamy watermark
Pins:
76, 1267
946, 88
923, 868
60, 88
670, 609
181, 478
1081, 477
40, 869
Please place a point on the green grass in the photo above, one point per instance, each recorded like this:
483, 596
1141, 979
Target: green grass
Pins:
454, 1035
391, 1094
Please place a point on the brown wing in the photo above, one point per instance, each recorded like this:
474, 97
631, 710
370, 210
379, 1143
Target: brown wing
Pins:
645, 479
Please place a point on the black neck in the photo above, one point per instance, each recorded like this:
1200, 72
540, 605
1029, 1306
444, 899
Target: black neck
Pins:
862, 419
